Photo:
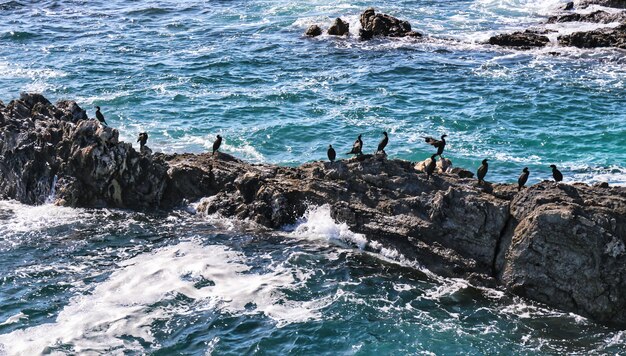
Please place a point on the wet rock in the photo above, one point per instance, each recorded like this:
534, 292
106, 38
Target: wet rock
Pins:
620, 4
596, 17
374, 24
313, 31
606, 37
522, 40
339, 28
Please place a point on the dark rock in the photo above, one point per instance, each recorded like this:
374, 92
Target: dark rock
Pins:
620, 4
601, 185
565, 246
339, 28
313, 31
462, 173
374, 24
606, 37
569, 6
596, 17
523, 40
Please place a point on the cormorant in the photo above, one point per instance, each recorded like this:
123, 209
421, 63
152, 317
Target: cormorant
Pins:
383, 143
331, 153
437, 143
430, 168
482, 171
100, 117
558, 176
217, 143
523, 178
143, 139
357, 148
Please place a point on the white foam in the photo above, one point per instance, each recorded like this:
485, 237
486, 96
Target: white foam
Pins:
126, 303
317, 224
27, 218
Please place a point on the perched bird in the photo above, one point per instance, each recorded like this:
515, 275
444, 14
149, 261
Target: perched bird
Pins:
558, 176
430, 168
331, 153
383, 143
100, 117
357, 148
523, 178
482, 171
437, 143
217, 143
143, 139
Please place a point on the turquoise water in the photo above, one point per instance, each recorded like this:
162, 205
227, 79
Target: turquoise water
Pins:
108, 281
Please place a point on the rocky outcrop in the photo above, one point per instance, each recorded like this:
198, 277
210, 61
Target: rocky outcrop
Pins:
595, 17
339, 28
620, 4
563, 245
606, 37
523, 40
313, 31
374, 24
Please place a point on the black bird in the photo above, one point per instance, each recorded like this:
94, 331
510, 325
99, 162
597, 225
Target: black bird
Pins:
143, 139
523, 178
383, 143
331, 153
430, 168
357, 148
217, 143
440, 144
482, 171
558, 176
100, 117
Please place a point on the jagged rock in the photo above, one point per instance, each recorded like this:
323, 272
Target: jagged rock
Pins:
620, 4
374, 24
523, 40
313, 31
339, 28
596, 17
605, 37
569, 6
564, 245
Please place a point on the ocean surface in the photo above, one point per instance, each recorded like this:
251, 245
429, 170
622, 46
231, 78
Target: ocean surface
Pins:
75, 281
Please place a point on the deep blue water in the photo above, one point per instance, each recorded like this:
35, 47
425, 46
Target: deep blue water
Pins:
76, 280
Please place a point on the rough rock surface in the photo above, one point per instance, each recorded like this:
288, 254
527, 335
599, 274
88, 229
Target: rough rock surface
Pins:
374, 24
606, 37
339, 28
524, 40
563, 245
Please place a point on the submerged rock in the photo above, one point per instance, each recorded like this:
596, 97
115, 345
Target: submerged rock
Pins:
563, 245
523, 40
374, 24
339, 28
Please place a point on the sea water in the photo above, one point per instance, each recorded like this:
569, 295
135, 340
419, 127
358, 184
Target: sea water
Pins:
111, 281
